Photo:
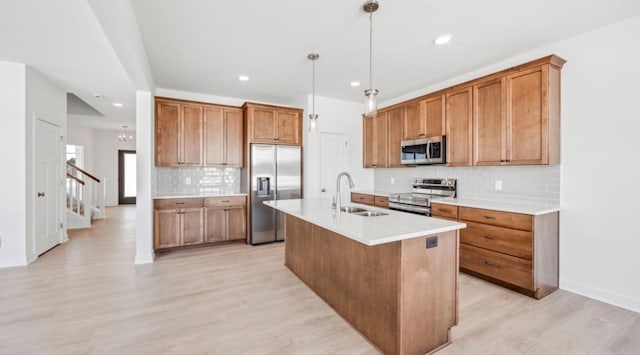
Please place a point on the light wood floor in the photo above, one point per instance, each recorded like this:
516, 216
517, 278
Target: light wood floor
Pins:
87, 297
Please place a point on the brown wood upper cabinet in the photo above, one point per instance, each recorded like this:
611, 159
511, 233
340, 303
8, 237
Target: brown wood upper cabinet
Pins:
489, 122
459, 127
394, 137
223, 134
425, 118
273, 124
516, 117
178, 133
375, 141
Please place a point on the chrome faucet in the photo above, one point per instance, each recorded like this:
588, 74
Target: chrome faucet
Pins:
337, 200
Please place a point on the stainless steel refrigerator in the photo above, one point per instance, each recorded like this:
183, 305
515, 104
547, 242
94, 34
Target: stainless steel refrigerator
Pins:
276, 174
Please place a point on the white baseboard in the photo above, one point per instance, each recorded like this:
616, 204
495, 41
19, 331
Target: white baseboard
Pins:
599, 294
145, 258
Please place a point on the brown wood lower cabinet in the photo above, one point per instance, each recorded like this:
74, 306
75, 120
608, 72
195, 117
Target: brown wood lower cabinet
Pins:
193, 221
372, 200
514, 250
402, 297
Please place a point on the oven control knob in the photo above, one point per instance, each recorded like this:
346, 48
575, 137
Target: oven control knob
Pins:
444, 182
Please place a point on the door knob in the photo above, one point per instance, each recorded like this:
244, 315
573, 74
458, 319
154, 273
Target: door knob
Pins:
40, 194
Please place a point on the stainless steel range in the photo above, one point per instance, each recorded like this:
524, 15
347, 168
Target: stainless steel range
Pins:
424, 190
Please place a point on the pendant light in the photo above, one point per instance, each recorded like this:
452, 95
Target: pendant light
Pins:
313, 116
124, 137
371, 104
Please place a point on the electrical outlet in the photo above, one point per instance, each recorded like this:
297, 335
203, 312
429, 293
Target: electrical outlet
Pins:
498, 184
393, 181
187, 180
432, 242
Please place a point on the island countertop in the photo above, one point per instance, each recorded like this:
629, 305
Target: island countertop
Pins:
392, 227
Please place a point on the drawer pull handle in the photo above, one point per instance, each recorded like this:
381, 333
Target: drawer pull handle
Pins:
443, 210
226, 201
179, 203
489, 217
489, 237
490, 263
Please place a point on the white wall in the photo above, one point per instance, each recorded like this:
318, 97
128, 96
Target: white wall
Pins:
48, 102
599, 237
13, 217
101, 155
334, 116
81, 135
104, 157
26, 96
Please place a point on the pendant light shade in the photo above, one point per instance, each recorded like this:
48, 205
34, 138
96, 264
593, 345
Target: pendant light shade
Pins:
371, 102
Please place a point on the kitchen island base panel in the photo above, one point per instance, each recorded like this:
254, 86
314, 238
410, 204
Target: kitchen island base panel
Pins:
401, 296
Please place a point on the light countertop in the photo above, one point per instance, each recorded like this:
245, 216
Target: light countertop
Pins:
514, 207
381, 193
196, 195
367, 230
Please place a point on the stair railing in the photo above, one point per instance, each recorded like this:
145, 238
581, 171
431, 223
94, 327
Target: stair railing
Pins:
86, 193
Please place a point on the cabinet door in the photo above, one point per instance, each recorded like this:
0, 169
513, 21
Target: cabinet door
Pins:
216, 225
459, 127
236, 222
167, 132
414, 124
263, 124
233, 137
166, 228
395, 125
368, 142
191, 135
192, 226
381, 141
288, 127
489, 123
433, 108
213, 136
527, 116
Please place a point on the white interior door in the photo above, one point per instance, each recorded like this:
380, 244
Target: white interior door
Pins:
334, 158
47, 205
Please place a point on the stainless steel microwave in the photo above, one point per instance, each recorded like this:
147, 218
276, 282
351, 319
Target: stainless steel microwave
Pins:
424, 151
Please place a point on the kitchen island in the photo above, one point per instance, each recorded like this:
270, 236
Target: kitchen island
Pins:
393, 277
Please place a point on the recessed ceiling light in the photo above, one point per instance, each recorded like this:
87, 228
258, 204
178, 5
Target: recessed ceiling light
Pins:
243, 77
443, 39
117, 104
354, 83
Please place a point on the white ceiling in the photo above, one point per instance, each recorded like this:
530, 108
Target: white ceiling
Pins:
63, 40
202, 46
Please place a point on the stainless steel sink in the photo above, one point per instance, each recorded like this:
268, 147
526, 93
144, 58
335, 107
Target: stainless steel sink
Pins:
371, 213
352, 209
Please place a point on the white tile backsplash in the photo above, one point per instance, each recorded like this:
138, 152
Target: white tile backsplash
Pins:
186, 180
534, 184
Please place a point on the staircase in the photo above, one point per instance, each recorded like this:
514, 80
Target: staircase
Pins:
85, 198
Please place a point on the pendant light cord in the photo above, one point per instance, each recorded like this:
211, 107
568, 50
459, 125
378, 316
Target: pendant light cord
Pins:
371, 50
313, 89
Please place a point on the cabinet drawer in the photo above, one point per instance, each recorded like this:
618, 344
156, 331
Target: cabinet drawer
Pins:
178, 203
504, 240
362, 198
381, 201
497, 218
446, 211
225, 201
512, 270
